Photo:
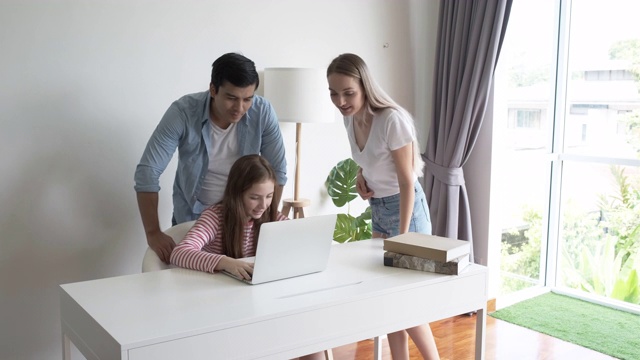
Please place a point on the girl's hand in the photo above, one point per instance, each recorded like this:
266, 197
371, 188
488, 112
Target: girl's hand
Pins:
236, 267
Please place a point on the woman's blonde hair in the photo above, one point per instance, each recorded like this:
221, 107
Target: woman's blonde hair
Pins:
375, 98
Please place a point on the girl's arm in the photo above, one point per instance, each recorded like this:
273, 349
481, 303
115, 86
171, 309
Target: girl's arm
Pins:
238, 267
403, 159
189, 254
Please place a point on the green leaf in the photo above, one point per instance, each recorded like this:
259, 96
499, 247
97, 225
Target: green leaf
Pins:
349, 228
343, 232
620, 290
341, 187
366, 215
341, 182
633, 288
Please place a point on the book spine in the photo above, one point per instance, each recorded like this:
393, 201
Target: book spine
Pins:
417, 263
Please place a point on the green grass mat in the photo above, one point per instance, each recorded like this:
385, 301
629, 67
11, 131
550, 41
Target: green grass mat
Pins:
609, 331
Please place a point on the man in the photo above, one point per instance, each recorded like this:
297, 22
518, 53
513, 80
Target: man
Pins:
211, 129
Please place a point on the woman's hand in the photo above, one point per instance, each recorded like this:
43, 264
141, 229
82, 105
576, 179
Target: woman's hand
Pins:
361, 186
236, 267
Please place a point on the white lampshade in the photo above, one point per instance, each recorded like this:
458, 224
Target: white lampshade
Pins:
299, 95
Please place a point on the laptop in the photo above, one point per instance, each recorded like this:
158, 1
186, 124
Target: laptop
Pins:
291, 248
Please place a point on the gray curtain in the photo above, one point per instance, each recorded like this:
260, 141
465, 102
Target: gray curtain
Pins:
470, 34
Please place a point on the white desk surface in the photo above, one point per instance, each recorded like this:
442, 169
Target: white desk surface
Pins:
180, 313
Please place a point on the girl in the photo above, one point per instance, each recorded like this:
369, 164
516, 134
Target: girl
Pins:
229, 230
383, 143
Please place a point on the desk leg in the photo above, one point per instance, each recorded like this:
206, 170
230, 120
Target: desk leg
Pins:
377, 348
480, 333
66, 347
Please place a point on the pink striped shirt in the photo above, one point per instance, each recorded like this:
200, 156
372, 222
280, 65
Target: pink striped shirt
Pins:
201, 248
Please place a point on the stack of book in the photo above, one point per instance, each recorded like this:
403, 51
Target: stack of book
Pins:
427, 253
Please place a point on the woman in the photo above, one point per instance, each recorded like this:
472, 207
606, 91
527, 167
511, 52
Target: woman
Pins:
383, 143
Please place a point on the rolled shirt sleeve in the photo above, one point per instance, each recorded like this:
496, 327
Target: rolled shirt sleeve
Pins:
159, 150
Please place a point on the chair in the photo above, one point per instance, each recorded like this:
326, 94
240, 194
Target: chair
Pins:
151, 261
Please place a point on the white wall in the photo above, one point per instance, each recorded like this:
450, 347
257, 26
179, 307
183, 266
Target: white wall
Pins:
84, 83
424, 21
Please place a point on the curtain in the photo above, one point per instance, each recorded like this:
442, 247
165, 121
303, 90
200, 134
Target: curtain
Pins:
470, 34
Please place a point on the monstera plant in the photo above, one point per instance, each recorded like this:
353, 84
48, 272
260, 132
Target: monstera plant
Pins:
341, 187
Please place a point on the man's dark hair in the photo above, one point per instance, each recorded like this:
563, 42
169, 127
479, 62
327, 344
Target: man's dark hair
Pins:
236, 69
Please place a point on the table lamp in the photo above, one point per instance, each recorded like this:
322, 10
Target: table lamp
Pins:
298, 95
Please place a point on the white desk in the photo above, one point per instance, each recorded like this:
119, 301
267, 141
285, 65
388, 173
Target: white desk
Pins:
184, 314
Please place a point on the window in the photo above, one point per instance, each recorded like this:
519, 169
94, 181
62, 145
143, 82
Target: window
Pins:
528, 119
570, 212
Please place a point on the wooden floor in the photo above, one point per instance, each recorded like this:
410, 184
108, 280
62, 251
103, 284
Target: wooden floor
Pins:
455, 339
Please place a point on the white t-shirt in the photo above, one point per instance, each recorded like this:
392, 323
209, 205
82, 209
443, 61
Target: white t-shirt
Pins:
224, 152
391, 129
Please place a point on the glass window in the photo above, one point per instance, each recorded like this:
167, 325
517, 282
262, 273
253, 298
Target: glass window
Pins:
528, 119
602, 93
567, 135
599, 235
599, 232
523, 99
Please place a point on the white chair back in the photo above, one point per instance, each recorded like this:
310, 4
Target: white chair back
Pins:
151, 261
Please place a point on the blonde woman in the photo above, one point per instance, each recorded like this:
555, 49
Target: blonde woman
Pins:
383, 143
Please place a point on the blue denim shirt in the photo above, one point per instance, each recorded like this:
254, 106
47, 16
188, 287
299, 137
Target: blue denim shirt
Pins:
186, 126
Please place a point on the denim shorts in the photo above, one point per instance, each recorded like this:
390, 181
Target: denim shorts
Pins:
385, 214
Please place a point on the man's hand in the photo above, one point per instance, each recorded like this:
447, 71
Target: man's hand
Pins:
162, 244
236, 267
361, 186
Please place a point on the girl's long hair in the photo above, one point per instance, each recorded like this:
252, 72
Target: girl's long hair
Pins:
245, 172
375, 98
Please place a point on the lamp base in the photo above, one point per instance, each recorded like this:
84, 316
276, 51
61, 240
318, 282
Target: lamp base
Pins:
298, 206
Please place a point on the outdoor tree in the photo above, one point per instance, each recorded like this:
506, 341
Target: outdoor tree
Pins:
628, 50
609, 237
